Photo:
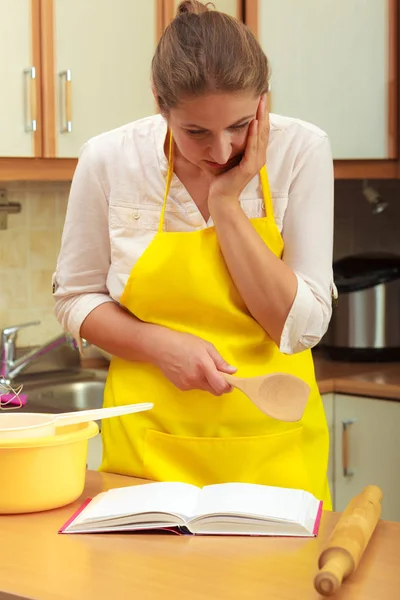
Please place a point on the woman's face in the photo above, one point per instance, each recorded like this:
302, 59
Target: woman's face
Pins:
210, 131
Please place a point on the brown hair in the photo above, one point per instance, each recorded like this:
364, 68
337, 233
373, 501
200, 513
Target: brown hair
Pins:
204, 51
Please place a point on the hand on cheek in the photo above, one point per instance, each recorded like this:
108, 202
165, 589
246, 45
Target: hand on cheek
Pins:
229, 185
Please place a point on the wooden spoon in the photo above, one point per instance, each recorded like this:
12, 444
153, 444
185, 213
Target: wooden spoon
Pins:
278, 395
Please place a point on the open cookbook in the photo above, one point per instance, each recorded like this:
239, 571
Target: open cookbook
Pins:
221, 509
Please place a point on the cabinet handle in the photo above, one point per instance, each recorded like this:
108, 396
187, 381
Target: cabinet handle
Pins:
66, 114
30, 100
347, 472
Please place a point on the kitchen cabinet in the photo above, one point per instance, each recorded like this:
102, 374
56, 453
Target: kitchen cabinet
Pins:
71, 70
334, 64
101, 69
328, 402
367, 450
19, 118
77, 69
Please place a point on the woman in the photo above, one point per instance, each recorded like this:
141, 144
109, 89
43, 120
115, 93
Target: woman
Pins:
177, 260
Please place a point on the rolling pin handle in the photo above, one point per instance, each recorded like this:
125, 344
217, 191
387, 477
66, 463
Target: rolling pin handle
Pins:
327, 583
333, 571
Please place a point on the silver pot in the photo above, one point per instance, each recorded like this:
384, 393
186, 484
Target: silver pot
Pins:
365, 324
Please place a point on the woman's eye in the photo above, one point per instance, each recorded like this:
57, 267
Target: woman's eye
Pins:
195, 132
198, 132
238, 127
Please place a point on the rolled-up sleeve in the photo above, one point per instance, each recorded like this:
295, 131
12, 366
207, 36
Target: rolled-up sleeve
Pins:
79, 282
308, 238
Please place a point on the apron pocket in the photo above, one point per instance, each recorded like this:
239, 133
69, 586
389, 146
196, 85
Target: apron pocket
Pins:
273, 459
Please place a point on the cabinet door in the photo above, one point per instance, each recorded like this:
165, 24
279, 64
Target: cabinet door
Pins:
331, 64
102, 60
328, 401
18, 76
370, 430
230, 7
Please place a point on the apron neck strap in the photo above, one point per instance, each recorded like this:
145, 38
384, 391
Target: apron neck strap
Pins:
168, 183
269, 211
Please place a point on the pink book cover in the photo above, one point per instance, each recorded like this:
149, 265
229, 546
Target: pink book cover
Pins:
75, 515
318, 519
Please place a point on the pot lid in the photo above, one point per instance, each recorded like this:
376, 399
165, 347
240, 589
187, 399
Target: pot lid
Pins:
362, 271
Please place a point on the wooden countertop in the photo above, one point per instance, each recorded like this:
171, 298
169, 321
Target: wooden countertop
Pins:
377, 380
36, 563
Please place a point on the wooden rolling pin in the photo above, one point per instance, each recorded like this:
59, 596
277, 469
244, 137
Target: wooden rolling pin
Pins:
348, 540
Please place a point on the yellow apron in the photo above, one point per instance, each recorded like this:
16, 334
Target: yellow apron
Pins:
182, 282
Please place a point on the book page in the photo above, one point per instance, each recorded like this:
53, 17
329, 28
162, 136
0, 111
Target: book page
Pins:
251, 499
245, 526
172, 498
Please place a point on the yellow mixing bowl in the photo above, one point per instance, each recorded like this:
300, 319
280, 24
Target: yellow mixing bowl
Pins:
43, 473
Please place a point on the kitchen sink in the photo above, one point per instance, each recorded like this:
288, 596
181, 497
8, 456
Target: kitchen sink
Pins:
64, 397
82, 391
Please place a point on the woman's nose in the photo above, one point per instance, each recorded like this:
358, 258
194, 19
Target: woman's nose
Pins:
220, 151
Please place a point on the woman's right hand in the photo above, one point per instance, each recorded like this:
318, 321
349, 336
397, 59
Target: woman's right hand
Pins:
190, 362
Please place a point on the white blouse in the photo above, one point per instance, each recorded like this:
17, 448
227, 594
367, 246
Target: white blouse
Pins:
115, 204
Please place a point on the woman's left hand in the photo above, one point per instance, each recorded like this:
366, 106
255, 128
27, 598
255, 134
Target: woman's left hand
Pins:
229, 185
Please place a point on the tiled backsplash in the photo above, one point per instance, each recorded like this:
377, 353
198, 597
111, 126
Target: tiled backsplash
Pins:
28, 254
357, 229
29, 247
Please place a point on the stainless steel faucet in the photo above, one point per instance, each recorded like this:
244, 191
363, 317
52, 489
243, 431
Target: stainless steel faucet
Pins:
11, 367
